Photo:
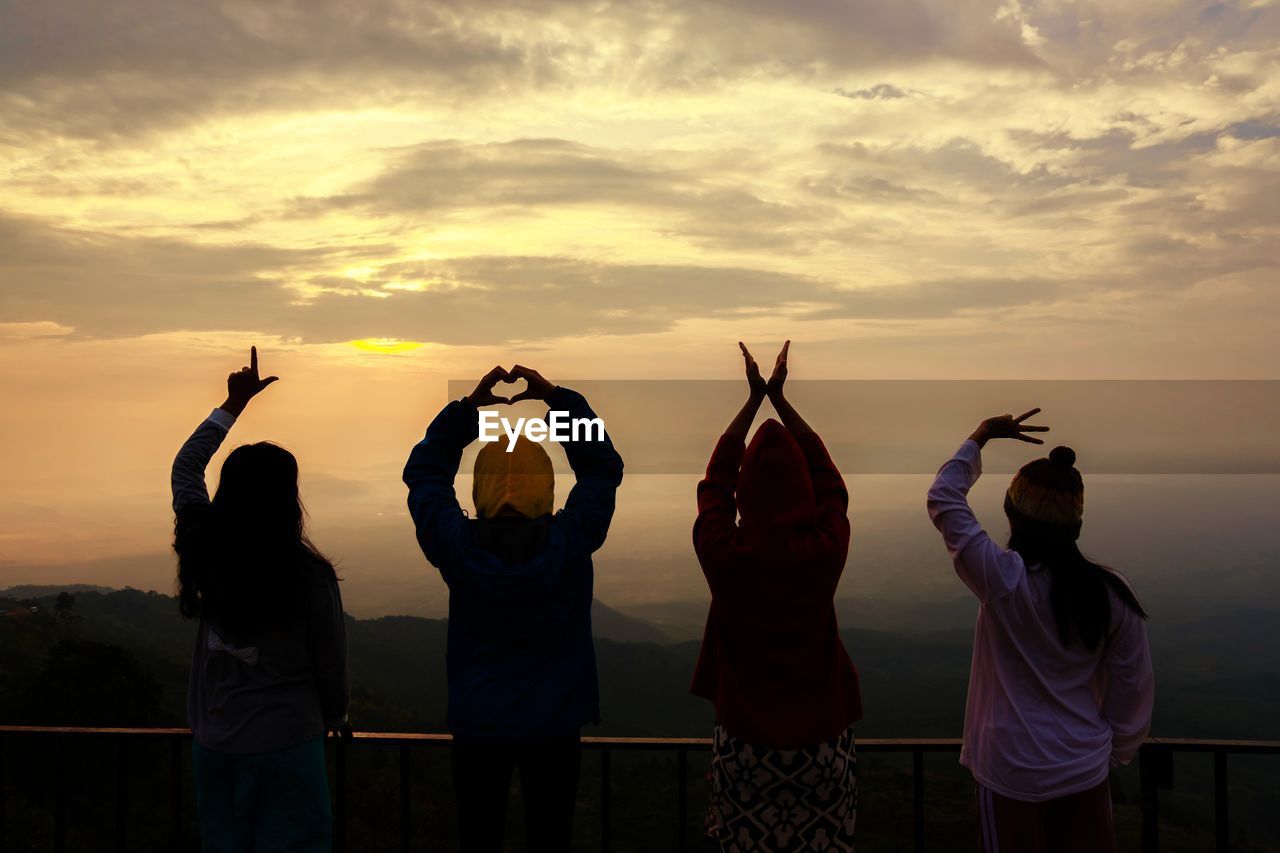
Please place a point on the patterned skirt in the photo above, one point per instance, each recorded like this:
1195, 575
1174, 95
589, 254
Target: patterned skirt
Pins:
774, 800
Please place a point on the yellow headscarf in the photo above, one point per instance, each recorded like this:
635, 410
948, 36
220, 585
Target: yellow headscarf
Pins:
521, 481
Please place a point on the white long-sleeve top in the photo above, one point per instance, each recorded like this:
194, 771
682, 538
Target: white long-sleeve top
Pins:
1042, 720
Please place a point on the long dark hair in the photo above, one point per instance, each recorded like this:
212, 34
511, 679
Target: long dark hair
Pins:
245, 560
1077, 585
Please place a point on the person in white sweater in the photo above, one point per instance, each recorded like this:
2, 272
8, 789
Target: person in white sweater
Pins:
1061, 687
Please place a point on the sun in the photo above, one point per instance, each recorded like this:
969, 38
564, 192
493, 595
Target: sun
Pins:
386, 346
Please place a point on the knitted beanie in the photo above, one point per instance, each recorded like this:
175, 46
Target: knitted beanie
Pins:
1049, 491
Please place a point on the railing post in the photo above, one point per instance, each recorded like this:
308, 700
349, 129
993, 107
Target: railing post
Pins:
4, 741
917, 798
60, 794
1220, 825
1155, 770
122, 794
682, 806
340, 794
404, 798
604, 800
175, 792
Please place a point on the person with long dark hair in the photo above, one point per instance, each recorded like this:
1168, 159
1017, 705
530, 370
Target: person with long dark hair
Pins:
1061, 687
784, 772
520, 660
269, 670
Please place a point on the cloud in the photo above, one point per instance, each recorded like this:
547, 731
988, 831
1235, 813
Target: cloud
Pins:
449, 175
111, 286
112, 71
878, 92
621, 168
699, 198
938, 299
137, 286
118, 69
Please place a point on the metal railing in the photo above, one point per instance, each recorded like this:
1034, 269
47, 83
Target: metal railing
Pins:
1155, 772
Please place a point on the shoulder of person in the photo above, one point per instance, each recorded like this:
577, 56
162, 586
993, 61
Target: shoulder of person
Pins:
193, 513
318, 570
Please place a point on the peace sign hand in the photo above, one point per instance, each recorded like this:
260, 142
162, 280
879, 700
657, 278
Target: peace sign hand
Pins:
245, 384
1007, 426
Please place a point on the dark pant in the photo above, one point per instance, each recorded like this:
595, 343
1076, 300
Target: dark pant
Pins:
549, 770
263, 802
1074, 823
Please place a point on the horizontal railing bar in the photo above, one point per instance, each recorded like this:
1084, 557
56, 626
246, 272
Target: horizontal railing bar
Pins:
1257, 747
94, 730
441, 739
1232, 746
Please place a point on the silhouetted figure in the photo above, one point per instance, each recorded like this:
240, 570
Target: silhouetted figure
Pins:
269, 671
521, 662
784, 773
1060, 689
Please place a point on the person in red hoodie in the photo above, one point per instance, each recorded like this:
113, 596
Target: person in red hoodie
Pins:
784, 774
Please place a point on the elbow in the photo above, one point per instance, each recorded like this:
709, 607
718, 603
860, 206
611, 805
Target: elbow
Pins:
427, 544
942, 498
609, 474
611, 470
412, 472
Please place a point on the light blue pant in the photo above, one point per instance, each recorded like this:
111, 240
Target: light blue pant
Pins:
263, 802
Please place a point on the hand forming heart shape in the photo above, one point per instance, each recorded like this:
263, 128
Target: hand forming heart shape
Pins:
536, 387
510, 379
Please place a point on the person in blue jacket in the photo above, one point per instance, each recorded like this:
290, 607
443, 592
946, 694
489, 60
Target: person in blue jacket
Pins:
520, 660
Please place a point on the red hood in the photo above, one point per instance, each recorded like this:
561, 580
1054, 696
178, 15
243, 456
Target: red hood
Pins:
773, 483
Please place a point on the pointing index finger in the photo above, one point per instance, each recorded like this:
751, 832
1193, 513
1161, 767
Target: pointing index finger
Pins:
1026, 415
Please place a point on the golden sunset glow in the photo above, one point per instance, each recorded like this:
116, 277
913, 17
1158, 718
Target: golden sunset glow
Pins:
385, 196
388, 347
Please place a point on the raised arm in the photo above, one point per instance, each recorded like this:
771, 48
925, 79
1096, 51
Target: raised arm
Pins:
438, 518
717, 521
596, 464
187, 476
790, 418
830, 494
987, 569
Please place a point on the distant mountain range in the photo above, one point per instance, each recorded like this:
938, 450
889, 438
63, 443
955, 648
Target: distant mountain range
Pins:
1216, 671
121, 657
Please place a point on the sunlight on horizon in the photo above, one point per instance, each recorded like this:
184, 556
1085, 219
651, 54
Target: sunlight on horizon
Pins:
385, 202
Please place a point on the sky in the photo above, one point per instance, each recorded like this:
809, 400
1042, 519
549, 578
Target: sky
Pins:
386, 196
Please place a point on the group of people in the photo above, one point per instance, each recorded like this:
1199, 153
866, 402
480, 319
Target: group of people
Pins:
1060, 689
